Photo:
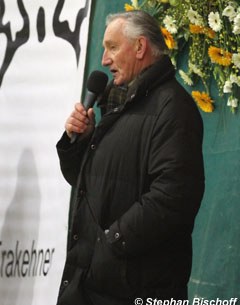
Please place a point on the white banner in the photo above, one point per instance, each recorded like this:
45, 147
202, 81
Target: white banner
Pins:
42, 56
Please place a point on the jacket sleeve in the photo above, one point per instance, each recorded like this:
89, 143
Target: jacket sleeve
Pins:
175, 171
70, 156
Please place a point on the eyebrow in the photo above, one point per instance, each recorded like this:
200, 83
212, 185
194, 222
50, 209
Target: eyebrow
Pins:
108, 42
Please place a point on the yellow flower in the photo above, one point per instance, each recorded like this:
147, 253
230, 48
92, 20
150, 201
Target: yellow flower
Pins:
128, 7
203, 101
197, 29
220, 56
168, 38
209, 32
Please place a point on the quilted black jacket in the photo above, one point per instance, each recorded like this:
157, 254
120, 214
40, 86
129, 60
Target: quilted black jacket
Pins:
139, 181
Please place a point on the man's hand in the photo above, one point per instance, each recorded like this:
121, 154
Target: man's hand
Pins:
80, 121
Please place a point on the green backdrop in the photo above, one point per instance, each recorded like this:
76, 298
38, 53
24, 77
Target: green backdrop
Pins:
216, 237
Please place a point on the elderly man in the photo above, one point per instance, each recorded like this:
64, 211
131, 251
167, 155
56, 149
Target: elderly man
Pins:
138, 176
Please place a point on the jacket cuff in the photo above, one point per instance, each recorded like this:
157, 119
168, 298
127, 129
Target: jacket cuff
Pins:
66, 148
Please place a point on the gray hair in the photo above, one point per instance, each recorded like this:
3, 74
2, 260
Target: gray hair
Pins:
140, 23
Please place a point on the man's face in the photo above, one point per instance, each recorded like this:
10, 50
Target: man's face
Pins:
119, 53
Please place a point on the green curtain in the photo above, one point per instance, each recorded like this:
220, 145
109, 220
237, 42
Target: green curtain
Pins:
216, 236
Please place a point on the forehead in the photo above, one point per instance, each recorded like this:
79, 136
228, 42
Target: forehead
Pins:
114, 30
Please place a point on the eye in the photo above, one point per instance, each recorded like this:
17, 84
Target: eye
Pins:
112, 47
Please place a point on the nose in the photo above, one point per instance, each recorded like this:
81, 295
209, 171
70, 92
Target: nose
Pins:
106, 60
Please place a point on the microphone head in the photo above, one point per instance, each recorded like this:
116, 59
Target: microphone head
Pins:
97, 82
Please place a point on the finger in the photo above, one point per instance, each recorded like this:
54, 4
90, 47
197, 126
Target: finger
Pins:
75, 126
91, 115
78, 123
80, 116
80, 108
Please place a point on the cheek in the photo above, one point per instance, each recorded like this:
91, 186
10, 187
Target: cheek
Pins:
126, 64
128, 68
126, 59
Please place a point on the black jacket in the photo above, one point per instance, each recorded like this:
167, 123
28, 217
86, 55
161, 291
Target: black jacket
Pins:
140, 176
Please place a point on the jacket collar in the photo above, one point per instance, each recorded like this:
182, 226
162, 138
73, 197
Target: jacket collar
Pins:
156, 74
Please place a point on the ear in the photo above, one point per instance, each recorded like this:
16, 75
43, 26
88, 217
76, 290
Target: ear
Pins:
141, 47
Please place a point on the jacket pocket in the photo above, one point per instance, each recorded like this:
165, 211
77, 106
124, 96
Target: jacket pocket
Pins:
107, 273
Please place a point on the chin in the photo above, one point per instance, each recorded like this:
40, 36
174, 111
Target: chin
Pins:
119, 82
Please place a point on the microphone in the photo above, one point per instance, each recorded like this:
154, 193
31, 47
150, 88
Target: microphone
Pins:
96, 84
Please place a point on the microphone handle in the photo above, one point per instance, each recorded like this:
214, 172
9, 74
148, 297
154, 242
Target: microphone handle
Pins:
88, 103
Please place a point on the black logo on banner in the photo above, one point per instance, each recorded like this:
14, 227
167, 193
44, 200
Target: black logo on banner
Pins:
61, 29
25, 262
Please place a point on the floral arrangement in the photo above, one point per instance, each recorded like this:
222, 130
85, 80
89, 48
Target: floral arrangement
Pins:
211, 32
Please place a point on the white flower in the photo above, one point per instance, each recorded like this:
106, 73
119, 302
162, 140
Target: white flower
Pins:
170, 25
237, 19
227, 87
194, 17
187, 80
236, 29
236, 59
234, 79
195, 69
135, 3
229, 12
150, 3
214, 21
174, 62
236, 25
232, 102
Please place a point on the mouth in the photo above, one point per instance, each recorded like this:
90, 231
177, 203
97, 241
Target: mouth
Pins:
113, 71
